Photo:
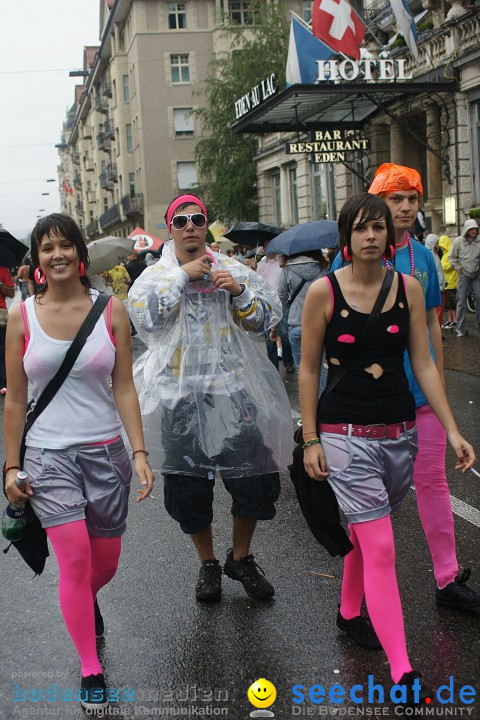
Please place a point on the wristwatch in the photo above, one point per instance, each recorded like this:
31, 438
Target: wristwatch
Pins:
243, 286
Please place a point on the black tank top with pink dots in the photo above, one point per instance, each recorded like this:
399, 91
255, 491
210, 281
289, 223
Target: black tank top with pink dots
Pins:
375, 388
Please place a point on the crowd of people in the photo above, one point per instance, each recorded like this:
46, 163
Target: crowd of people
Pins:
205, 398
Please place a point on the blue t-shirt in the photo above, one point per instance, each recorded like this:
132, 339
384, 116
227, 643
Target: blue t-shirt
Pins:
426, 274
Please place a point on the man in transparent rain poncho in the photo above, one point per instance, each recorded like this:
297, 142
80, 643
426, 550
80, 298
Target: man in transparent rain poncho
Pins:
210, 398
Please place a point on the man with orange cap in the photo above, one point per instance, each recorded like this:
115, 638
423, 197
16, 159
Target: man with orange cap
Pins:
401, 188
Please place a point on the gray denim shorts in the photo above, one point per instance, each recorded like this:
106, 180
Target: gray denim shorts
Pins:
90, 482
370, 478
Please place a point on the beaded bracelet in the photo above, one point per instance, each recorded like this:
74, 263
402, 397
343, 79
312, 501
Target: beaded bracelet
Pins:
313, 441
12, 467
137, 451
314, 432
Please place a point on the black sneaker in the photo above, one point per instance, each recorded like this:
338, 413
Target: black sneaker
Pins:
361, 630
458, 595
99, 626
209, 585
93, 692
246, 571
423, 694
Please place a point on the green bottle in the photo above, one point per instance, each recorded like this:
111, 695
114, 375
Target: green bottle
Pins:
14, 519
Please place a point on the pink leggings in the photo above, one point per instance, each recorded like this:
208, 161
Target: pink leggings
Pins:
433, 496
86, 563
370, 570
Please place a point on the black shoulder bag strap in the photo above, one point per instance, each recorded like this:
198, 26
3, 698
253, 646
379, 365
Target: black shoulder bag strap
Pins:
68, 362
376, 310
297, 290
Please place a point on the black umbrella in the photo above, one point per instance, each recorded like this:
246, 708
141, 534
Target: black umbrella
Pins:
252, 233
306, 236
11, 250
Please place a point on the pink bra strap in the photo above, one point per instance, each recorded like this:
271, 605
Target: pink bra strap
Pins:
109, 319
23, 310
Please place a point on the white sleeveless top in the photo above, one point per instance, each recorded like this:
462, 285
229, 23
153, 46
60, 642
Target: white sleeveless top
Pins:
83, 410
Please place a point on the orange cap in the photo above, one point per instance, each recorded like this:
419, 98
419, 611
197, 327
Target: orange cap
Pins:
390, 177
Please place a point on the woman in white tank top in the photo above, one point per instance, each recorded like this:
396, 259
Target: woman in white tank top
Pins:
78, 469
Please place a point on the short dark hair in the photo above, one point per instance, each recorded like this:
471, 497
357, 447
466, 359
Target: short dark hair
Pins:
64, 225
369, 207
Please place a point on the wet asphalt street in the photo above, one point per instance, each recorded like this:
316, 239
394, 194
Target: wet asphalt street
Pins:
165, 655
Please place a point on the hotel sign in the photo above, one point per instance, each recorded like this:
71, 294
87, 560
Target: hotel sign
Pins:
256, 96
330, 146
369, 70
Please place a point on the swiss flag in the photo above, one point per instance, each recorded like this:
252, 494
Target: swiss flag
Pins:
337, 25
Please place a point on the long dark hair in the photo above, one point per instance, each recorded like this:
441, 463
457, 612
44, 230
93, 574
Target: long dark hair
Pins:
64, 225
369, 207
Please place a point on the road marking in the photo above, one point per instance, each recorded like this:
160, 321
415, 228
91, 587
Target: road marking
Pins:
465, 511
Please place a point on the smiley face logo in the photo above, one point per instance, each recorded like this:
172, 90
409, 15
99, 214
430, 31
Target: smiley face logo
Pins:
262, 693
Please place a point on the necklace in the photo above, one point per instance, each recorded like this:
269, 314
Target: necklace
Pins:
412, 261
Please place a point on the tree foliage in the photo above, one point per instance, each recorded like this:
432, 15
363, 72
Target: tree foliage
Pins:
225, 160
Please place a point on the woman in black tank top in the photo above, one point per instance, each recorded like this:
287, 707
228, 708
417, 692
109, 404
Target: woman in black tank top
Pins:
365, 442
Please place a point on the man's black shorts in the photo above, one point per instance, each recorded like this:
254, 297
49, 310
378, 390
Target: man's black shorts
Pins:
188, 499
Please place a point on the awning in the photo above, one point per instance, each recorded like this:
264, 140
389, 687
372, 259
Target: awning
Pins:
348, 105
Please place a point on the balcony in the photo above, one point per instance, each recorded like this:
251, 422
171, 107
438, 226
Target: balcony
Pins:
79, 207
76, 158
91, 197
92, 229
88, 165
437, 45
106, 88
101, 104
77, 181
112, 172
110, 218
105, 182
133, 204
103, 142
109, 129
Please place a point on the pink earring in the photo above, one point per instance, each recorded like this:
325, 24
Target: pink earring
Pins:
81, 268
40, 278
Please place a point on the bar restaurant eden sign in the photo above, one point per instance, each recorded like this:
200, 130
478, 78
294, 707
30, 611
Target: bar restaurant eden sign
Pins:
330, 146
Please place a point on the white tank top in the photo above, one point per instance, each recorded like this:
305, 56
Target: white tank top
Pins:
83, 410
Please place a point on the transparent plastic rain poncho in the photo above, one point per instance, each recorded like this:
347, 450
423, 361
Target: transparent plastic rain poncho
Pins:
209, 396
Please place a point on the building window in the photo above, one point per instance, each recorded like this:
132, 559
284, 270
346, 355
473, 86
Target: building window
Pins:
276, 198
183, 122
292, 183
129, 138
323, 191
475, 127
180, 68
186, 175
177, 16
105, 204
240, 12
126, 89
307, 10
131, 184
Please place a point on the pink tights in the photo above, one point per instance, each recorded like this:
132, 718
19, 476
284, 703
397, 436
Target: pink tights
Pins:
370, 570
433, 495
86, 563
